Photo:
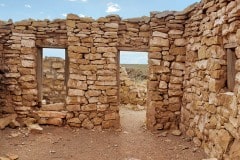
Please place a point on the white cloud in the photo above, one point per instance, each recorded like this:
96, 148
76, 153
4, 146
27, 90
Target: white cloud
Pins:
28, 6
113, 7
64, 15
82, 15
2, 5
77, 0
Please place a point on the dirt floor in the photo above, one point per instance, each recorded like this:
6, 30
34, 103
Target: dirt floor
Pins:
132, 143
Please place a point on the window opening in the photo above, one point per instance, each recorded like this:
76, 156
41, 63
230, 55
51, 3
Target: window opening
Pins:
231, 72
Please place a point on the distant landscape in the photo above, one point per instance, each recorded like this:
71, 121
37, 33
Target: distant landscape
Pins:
137, 72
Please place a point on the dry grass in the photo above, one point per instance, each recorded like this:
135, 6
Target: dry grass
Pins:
136, 72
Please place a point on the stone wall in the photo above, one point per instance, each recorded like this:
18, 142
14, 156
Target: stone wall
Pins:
193, 60
210, 112
54, 90
53, 85
166, 66
92, 67
132, 92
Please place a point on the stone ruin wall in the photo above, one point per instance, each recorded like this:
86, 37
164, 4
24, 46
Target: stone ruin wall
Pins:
188, 66
54, 90
132, 93
53, 85
93, 68
210, 111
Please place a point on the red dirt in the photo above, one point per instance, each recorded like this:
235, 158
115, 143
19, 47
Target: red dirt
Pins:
132, 143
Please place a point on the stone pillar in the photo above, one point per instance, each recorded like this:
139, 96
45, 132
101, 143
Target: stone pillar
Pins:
92, 95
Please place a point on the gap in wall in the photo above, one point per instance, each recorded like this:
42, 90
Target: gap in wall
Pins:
133, 89
53, 76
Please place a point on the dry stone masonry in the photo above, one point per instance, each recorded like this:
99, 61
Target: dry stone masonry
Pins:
193, 79
53, 85
131, 92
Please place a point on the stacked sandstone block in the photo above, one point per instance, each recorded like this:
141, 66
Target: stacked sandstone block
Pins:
92, 98
131, 92
53, 85
210, 112
166, 69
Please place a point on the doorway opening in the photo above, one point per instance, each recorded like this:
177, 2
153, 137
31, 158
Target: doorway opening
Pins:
52, 76
133, 71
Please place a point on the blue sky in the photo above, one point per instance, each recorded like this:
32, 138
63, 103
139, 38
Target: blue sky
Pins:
125, 56
51, 9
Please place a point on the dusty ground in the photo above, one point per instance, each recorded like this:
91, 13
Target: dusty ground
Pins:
133, 143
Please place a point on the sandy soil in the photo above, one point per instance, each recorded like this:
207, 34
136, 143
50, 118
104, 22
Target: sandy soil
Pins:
132, 143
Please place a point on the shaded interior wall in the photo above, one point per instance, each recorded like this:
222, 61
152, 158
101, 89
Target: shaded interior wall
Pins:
130, 91
5, 93
210, 113
53, 83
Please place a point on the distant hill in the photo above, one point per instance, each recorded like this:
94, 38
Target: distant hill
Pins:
136, 71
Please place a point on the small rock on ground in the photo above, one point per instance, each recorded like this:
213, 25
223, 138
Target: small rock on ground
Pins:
176, 133
35, 128
12, 156
163, 134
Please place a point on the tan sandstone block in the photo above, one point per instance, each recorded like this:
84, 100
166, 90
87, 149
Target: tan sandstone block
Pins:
89, 107
235, 150
79, 49
159, 42
53, 107
110, 116
71, 23
51, 114
180, 42
75, 92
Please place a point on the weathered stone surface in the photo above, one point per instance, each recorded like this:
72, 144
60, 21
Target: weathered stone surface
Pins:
159, 42
7, 120
74, 120
160, 34
234, 152
79, 49
176, 132
53, 107
35, 128
51, 114
28, 43
87, 124
51, 121
180, 42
